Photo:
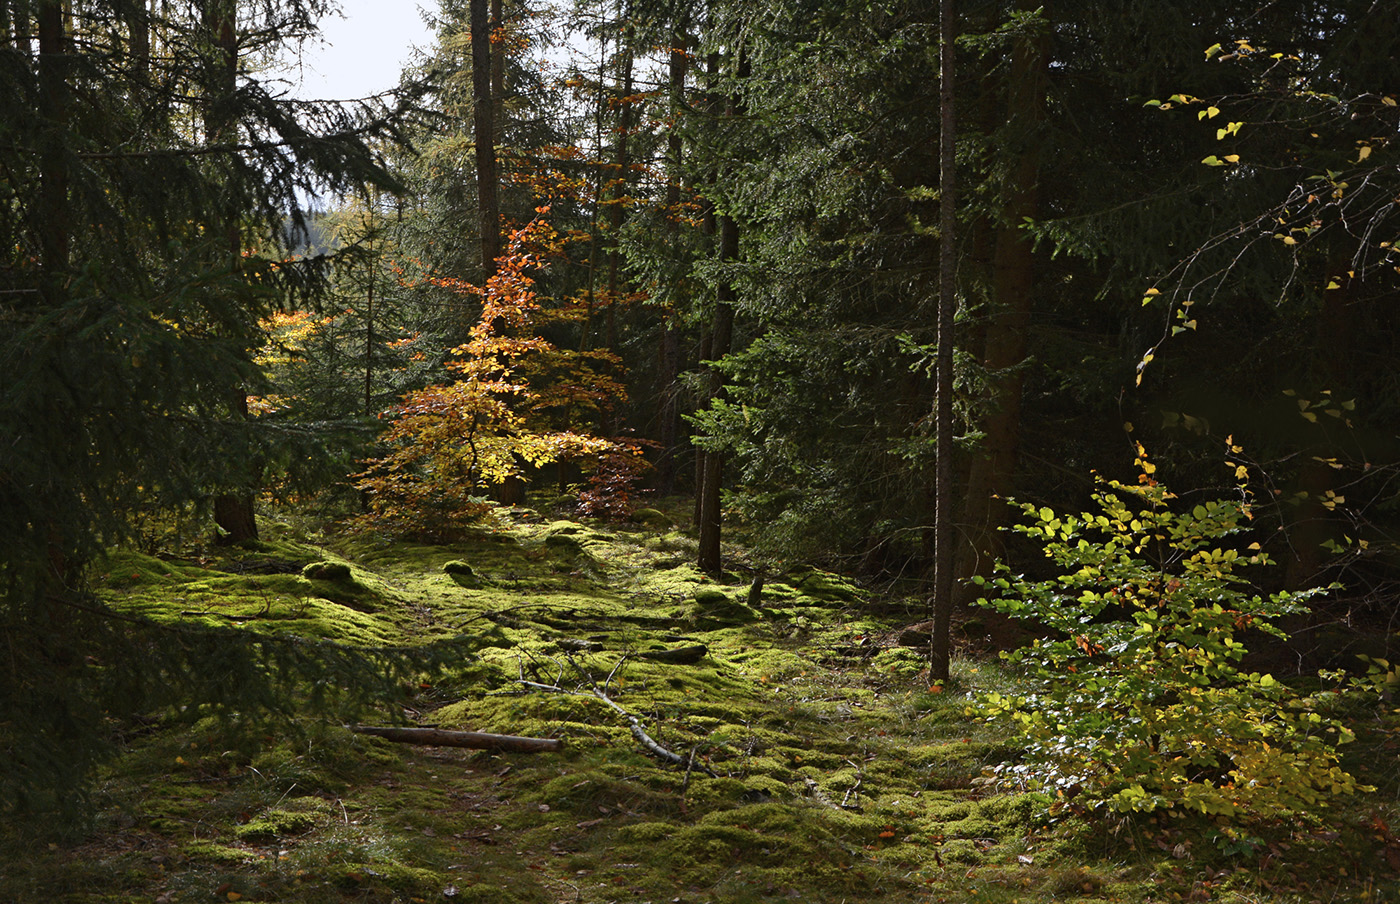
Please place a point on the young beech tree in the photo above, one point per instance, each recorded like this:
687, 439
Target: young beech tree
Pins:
518, 403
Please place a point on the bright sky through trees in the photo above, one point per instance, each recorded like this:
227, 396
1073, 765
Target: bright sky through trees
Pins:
363, 49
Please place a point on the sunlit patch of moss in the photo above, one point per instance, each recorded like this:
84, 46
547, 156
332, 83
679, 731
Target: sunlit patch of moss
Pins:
275, 824
213, 852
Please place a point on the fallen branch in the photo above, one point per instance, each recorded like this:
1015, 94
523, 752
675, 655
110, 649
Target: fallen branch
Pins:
476, 740
638, 732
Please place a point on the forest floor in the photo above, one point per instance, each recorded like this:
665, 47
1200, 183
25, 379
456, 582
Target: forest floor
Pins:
825, 768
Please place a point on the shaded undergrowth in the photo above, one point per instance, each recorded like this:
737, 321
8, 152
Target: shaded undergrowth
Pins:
822, 768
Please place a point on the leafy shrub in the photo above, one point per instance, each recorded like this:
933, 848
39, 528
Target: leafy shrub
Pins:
1138, 702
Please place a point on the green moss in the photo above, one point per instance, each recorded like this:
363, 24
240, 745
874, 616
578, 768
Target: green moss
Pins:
212, 852
651, 518
841, 776
275, 824
334, 572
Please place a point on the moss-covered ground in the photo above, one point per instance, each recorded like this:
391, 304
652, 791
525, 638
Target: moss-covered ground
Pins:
825, 769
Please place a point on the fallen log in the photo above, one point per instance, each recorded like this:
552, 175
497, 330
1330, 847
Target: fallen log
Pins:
476, 740
678, 656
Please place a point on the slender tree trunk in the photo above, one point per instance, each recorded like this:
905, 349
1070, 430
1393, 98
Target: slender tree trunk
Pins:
700, 454
721, 337
498, 70
55, 225
669, 409
369, 310
55, 228
708, 227
233, 512
487, 181
941, 652
992, 472
617, 193
138, 23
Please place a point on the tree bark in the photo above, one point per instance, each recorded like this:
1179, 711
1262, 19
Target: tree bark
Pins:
940, 649
488, 203
474, 740
617, 194
233, 512
721, 337
668, 429
711, 464
991, 473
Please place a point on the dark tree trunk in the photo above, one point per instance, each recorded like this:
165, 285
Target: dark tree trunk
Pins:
992, 471
721, 337
617, 194
710, 467
940, 653
53, 161
138, 23
233, 512
55, 225
483, 107
668, 430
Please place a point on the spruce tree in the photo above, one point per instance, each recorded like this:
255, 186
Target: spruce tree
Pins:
150, 175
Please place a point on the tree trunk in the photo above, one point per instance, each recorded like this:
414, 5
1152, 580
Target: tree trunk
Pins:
53, 162
488, 203
233, 512
721, 337
617, 194
138, 23
940, 652
55, 226
668, 430
991, 474
498, 70
711, 470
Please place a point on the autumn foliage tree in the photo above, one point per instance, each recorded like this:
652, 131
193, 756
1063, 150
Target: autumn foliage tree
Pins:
518, 403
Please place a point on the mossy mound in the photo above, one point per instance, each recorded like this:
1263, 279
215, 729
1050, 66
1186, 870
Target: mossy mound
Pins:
651, 518
335, 572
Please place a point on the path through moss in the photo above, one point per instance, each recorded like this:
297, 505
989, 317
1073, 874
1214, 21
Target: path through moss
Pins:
824, 768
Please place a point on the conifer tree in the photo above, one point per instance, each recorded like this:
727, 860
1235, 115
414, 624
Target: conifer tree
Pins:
131, 172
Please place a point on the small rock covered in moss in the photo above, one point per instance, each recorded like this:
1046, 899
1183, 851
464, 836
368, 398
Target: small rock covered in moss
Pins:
337, 572
652, 518
462, 573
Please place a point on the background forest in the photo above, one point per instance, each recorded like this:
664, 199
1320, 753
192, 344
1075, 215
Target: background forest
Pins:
611, 255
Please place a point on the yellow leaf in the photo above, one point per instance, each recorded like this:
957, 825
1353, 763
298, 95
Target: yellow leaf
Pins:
1232, 158
1364, 153
1388, 101
1289, 240
1333, 284
1241, 472
1212, 112
1151, 292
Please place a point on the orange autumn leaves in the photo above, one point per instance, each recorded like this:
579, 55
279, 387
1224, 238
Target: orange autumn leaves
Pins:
517, 404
